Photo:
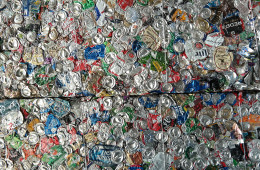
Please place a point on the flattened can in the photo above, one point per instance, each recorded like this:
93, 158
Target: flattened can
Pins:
102, 154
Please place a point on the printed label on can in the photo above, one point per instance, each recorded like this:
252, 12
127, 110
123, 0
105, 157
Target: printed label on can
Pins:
195, 51
214, 40
101, 154
222, 58
94, 53
7, 106
125, 3
232, 26
60, 107
151, 38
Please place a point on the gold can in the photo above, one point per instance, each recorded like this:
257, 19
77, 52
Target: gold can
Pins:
203, 25
30, 126
151, 38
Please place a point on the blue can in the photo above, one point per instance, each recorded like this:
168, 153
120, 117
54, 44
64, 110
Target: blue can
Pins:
95, 53
7, 106
60, 107
52, 124
102, 154
182, 115
148, 102
26, 7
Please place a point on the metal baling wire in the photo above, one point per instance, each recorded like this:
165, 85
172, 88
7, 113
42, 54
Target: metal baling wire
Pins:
242, 128
82, 118
6, 150
164, 156
166, 79
254, 27
253, 20
256, 39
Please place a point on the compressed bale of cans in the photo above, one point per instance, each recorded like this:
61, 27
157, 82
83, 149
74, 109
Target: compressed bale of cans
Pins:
129, 84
